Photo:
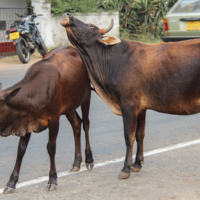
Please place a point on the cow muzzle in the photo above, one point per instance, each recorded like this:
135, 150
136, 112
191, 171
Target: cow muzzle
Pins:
64, 20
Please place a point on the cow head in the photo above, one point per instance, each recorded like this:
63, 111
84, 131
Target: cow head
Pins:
80, 33
5, 111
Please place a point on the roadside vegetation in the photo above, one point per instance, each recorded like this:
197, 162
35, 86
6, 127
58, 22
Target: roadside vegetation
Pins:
140, 20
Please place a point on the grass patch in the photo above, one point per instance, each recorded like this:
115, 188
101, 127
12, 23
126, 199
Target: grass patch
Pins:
144, 38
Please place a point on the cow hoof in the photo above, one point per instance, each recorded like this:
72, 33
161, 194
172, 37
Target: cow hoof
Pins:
51, 187
124, 175
135, 169
89, 165
74, 169
8, 190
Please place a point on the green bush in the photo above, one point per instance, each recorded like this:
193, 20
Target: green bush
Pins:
58, 7
28, 3
136, 16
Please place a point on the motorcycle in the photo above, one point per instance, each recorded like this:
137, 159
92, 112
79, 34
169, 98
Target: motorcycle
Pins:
26, 37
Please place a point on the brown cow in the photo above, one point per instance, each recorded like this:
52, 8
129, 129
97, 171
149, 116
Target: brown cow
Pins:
132, 77
54, 86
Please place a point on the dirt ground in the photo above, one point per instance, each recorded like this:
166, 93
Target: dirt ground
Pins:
14, 61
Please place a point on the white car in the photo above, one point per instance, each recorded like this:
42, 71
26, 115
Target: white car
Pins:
182, 22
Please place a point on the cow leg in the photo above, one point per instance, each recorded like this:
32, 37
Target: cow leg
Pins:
85, 113
75, 122
129, 113
51, 148
140, 132
23, 143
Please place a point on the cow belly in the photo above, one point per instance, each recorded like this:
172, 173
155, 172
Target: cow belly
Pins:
186, 108
38, 126
40, 129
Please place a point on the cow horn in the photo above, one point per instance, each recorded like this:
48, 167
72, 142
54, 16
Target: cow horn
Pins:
110, 27
0, 86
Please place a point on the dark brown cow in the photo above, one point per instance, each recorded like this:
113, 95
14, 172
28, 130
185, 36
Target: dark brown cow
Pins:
132, 77
54, 86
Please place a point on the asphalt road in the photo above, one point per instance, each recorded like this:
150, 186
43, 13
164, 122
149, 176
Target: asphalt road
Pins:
174, 174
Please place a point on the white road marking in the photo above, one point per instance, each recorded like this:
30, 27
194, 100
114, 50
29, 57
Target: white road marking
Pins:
67, 173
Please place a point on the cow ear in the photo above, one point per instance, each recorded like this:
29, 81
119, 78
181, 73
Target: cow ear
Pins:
110, 40
8, 95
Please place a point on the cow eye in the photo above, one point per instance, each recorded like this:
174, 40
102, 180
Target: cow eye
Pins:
91, 27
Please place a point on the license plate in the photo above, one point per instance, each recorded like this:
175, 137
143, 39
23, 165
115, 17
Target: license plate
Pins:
193, 26
14, 35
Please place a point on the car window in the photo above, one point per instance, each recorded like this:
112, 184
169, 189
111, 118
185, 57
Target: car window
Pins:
187, 6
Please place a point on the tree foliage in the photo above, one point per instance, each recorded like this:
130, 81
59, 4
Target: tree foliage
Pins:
58, 7
136, 16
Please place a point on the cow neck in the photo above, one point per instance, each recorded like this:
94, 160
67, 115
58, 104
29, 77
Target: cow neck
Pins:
97, 63
95, 59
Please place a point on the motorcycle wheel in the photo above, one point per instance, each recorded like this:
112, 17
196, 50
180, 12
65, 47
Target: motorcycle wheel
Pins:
42, 49
22, 50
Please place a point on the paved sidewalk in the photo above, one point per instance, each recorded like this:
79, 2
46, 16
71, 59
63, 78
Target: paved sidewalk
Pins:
14, 61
